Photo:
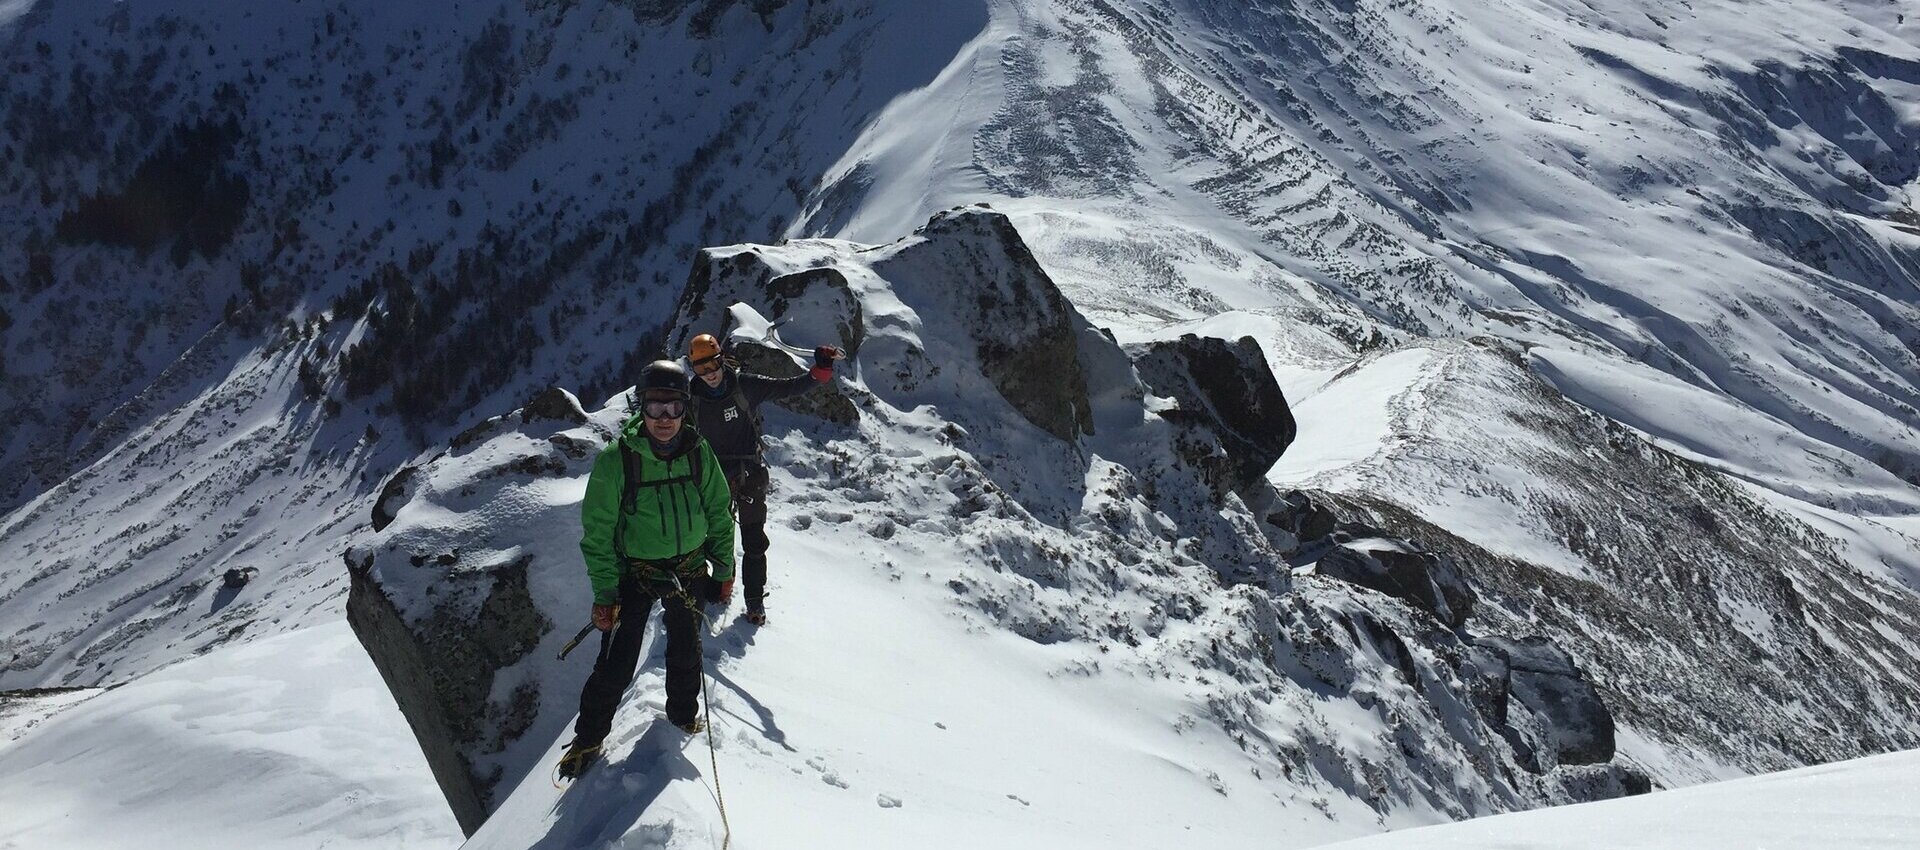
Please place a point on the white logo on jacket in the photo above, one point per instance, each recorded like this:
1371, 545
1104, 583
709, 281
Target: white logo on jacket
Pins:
731, 414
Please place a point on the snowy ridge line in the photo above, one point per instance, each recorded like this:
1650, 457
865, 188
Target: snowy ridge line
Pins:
931, 496
1695, 221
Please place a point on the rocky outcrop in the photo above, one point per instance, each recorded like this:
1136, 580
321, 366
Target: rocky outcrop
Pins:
813, 307
970, 268
452, 614
441, 665
1298, 515
1574, 724
1422, 579
1528, 690
1226, 389
967, 269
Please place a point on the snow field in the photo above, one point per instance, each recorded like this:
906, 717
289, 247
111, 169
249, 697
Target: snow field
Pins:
1863, 804
290, 741
871, 712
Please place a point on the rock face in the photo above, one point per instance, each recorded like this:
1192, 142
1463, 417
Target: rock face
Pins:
1297, 514
1423, 579
1024, 330
1228, 389
452, 615
1528, 689
1576, 725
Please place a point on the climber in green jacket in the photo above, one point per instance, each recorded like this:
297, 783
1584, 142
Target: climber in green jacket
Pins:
657, 525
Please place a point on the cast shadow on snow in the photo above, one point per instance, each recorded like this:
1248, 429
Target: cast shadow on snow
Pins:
655, 761
590, 820
222, 598
734, 642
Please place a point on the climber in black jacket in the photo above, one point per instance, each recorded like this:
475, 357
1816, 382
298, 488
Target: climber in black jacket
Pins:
726, 405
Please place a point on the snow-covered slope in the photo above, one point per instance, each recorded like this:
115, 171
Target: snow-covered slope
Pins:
1865, 803
1695, 214
1694, 222
286, 742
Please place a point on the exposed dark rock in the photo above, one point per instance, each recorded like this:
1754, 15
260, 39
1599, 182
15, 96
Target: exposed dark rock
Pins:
1577, 725
397, 491
1227, 388
403, 664
556, 404
1300, 516
1415, 577
238, 577
441, 667
1588, 782
1368, 630
1026, 334
1488, 680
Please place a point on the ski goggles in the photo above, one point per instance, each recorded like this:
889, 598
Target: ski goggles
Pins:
706, 365
664, 408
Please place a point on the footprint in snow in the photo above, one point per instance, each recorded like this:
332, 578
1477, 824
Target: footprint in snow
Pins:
888, 801
827, 773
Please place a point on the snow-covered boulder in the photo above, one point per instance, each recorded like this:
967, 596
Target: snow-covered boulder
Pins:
1227, 389
998, 314
460, 608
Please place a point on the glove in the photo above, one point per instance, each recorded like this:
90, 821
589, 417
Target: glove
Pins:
724, 595
604, 616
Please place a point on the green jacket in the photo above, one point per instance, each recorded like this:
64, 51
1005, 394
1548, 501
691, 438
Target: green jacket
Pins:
673, 515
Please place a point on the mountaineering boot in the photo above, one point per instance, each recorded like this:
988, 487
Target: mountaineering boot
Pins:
692, 727
756, 612
579, 757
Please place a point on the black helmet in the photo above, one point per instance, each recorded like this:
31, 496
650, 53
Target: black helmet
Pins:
665, 375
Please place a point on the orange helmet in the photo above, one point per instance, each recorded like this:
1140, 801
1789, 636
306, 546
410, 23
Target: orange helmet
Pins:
703, 347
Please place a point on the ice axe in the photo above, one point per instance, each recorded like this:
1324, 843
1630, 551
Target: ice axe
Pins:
584, 631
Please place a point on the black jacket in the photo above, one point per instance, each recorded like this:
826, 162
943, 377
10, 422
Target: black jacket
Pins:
729, 417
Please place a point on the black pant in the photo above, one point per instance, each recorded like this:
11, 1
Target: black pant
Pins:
749, 485
620, 655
